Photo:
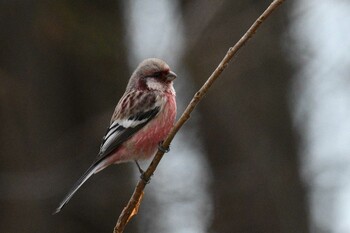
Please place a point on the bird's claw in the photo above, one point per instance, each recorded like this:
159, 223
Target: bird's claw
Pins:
143, 177
162, 148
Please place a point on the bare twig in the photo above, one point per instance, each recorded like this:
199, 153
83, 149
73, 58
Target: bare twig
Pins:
134, 202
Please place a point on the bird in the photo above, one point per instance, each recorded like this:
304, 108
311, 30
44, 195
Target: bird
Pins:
142, 119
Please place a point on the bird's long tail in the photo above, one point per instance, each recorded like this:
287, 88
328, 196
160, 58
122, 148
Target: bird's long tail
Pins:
92, 169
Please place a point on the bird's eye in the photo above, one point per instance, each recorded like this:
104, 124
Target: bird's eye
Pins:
157, 74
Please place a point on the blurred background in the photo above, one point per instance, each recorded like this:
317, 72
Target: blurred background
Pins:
267, 150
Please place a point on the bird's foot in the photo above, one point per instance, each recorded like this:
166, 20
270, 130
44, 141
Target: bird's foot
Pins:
145, 179
162, 148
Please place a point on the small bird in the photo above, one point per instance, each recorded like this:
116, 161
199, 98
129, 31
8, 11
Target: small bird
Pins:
141, 120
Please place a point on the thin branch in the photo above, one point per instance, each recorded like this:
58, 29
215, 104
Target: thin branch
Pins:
131, 209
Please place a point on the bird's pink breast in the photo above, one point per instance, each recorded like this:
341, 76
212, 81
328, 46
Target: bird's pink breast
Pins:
144, 143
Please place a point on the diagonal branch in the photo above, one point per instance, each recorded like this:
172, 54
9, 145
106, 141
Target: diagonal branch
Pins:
130, 210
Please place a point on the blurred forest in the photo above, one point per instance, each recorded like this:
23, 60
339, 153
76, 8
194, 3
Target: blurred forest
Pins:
63, 67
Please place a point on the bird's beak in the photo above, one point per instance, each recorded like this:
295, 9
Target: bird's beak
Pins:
170, 76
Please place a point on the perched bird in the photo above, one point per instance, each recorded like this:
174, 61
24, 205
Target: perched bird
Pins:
142, 118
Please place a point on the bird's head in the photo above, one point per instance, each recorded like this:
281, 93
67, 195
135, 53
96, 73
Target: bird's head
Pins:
152, 74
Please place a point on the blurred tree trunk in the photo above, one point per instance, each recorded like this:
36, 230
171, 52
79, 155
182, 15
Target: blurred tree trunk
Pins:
63, 68
250, 140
